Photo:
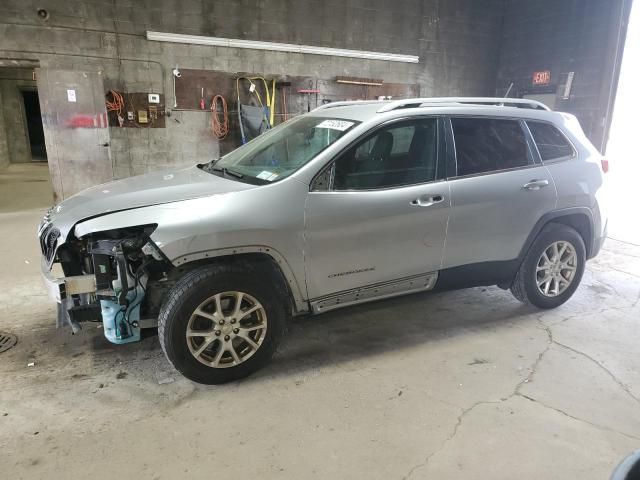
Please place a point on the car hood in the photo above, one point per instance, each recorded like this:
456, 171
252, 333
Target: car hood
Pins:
140, 191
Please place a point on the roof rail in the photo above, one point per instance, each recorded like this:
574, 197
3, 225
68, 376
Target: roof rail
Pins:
344, 103
418, 102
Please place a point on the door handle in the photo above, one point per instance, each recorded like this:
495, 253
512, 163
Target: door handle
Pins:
427, 200
536, 184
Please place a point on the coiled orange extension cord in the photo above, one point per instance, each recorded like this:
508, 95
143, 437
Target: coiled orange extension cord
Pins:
220, 129
117, 104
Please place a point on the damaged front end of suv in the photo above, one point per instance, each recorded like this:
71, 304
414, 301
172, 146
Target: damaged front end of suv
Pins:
106, 278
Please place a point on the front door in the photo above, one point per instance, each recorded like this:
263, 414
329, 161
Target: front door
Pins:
380, 212
76, 130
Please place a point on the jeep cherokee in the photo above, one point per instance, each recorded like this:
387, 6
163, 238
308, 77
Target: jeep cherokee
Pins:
352, 202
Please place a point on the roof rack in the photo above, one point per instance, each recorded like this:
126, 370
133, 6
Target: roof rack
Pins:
388, 106
418, 102
346, 102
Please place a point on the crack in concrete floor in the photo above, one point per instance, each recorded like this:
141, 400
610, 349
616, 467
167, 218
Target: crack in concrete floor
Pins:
529, 378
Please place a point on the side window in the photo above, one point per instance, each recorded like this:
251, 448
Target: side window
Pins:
486, 144
401, 154
550, 142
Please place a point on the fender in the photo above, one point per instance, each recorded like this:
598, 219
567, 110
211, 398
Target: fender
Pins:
189, 211
589, 237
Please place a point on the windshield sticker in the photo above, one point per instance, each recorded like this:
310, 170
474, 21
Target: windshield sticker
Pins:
266, 175
340, 125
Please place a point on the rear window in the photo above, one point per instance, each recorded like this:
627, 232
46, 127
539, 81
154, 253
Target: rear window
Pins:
485, 145
551, 143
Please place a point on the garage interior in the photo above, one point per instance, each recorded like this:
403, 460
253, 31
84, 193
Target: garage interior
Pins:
460, 384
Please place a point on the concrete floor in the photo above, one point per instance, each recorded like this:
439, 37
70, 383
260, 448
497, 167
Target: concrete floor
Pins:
467, 384
25, 186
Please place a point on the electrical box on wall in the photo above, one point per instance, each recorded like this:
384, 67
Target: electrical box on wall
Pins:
135, 110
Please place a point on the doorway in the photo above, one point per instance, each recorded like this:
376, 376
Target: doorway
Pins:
25, 182
21, 129
35, 131
624, 222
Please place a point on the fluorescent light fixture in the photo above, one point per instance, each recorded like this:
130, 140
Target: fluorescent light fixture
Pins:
278, 47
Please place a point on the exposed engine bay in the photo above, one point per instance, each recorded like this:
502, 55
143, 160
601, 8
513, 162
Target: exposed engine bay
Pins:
116, 277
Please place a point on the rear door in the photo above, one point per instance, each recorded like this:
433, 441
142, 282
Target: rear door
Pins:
499, 190
380, 211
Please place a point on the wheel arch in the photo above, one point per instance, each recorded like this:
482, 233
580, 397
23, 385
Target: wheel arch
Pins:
578, 218
261, 258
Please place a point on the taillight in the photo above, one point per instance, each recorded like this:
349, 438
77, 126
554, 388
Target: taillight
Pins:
605, 165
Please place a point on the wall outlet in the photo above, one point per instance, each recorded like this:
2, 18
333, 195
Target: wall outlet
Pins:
154, 98
130, 116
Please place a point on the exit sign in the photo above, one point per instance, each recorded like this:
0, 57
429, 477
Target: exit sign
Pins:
542, 78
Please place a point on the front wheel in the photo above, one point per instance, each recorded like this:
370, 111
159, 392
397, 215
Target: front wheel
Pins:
552, 269
220, 323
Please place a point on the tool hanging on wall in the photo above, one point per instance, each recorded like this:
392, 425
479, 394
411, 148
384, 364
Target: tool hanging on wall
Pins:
176, 74
309, 91
254, 120
220, 129
272, 104
202, 98
283, 93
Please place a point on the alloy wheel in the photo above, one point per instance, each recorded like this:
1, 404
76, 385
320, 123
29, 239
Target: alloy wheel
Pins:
556, 268
226, 329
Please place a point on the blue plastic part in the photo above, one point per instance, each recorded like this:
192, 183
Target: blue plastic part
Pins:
118, 320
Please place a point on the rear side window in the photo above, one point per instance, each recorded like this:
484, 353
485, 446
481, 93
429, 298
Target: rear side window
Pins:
486, 145
550, 142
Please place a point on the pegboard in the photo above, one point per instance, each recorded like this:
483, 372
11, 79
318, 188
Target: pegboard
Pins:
139, 102
194, 85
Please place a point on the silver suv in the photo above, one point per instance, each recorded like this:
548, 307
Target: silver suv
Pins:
353, 202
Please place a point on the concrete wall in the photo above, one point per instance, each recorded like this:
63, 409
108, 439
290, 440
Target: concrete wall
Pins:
12, 80
457, 40
4, 151
583, 36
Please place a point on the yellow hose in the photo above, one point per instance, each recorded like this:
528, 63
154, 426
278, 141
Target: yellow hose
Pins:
271, 98
272, 105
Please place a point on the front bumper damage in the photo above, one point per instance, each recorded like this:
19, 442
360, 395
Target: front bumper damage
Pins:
59, 288
108, 284
71, 295
79, 301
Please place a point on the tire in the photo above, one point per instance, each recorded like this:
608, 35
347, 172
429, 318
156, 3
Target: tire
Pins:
525, 285
200, 289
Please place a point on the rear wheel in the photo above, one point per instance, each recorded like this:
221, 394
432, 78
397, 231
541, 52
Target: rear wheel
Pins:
552, 269
220, 324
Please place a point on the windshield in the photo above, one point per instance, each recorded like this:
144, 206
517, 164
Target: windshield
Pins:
282, 150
